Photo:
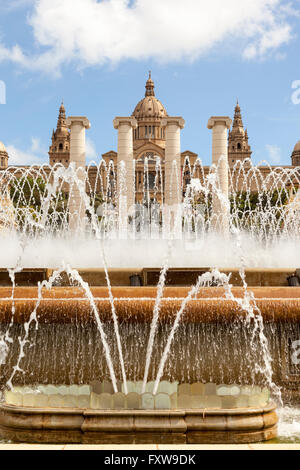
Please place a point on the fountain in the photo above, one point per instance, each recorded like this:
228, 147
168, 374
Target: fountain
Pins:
125, 322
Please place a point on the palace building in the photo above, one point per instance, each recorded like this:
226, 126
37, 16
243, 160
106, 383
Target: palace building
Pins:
149, 142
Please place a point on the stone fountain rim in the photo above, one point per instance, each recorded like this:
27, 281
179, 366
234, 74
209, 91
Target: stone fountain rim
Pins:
238, 426
188, 412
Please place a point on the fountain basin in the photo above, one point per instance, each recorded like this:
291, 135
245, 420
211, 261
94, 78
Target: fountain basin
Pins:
85, 426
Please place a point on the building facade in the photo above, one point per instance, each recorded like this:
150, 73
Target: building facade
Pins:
149, 145
149, 142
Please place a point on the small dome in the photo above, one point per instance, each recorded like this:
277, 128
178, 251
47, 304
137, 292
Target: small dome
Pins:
2, 147
61, 132
150, 106
297, 147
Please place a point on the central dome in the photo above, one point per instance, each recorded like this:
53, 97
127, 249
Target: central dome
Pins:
150, 106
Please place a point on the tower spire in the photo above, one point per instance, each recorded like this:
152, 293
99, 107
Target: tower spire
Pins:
61, 122
238, 121
238, 142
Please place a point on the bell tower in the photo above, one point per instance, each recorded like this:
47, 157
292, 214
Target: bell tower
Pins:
238, 142
59, 151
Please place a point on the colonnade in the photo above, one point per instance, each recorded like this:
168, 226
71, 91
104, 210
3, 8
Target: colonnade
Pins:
173, 179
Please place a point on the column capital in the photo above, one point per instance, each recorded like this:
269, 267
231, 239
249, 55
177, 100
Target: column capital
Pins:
78, 120
173, 120
118, 121
214, 120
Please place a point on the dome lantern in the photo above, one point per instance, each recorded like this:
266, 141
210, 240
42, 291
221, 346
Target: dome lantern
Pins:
150, 86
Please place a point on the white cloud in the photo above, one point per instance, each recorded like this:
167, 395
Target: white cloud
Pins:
274, 154
14, 54
269, 40
36, 145
91, 32
35, 155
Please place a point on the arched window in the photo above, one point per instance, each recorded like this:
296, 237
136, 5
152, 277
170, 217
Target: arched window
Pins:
239, 146
61, 147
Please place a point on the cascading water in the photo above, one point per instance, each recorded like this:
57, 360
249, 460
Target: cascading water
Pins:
264, 226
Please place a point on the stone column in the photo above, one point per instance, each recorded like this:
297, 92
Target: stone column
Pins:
78, 125
126, 168
172, 186
220, 205
173, 157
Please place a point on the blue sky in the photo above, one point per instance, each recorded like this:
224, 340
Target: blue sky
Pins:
203, 56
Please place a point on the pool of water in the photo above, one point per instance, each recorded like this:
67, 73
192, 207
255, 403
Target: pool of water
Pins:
289, 426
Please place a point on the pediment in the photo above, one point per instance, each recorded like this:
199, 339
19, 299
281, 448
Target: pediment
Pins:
149, 147
110, 154
188, 153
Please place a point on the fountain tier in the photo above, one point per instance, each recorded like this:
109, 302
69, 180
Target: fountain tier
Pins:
214, 341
